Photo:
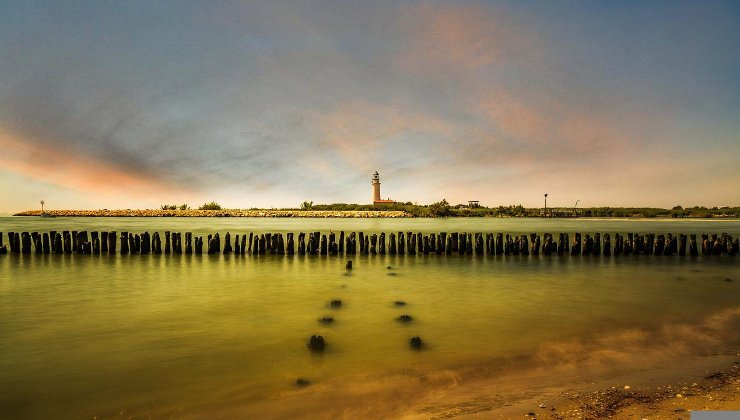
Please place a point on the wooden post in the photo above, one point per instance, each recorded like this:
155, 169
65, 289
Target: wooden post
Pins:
523, 245
432, 243
401, 243
341, 243
716, 245
227, 244
291, 245
392, 243
362, 242
324, 248
124, 244
575, 249
587, 245
381, 243
462, 244
410, 243
301, 243
333, 249
366, 245
45, 246
607, 248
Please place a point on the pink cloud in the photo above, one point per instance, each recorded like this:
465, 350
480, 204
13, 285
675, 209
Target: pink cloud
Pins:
76, 170
456, 38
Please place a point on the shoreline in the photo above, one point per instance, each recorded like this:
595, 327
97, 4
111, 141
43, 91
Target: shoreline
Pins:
714, 390
356, 214
320, 214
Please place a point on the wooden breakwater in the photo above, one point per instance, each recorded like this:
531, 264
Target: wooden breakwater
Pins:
354, 243
343, 214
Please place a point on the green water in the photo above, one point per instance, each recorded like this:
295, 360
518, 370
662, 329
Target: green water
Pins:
210, 336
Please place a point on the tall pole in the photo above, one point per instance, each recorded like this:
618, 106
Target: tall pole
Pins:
545, 205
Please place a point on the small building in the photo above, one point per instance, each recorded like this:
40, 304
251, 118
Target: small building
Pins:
473, 204
376, 191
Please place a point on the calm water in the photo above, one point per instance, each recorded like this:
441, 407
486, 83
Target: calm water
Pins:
224, 336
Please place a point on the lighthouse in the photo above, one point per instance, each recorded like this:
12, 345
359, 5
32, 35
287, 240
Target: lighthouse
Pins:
376, 190
376, 187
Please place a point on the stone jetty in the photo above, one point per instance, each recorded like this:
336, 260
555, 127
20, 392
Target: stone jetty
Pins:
343, 244
220, 213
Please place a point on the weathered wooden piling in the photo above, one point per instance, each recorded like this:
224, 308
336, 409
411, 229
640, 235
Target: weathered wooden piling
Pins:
607, 246
381, 243
392, 243
198, 245
340, 243
291, 245
401, 243
301, 243
227, 244
45, 243
58, 244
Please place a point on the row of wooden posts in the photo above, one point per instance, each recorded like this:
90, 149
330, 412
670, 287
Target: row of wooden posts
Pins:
409, 243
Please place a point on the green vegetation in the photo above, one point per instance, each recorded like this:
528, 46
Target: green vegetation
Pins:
174, 207
210, 206
444, 209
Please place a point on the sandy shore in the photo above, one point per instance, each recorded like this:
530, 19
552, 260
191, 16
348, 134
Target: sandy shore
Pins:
716, 390
218, 213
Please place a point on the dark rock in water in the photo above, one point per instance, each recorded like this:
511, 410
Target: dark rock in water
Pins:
349, 265
300, 382
326, 320
336, 303
316, 343
392, 274
679, 278
728, 279
389, 267
405, 318
415, 343
399, 303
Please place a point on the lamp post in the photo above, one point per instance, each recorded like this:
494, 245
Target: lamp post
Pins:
42, 206
545, 204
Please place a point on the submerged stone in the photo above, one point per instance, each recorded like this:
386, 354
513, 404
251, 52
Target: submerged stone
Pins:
300, 382
399, 303
415, 343
326, 320
405, 318
316, 343
336, 303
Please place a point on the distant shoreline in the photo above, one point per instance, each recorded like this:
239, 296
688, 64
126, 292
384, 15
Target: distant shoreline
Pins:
359, 214
342, 214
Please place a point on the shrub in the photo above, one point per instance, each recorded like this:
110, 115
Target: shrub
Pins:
210, 206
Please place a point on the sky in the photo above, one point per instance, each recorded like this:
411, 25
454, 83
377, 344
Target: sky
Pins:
134, 104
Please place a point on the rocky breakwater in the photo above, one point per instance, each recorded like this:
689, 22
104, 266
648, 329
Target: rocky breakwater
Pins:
217, 213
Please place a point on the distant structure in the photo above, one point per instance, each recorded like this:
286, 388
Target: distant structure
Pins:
376, 191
